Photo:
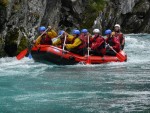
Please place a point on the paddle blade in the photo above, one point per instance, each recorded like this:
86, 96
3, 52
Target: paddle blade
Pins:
22, 54
30, 56
121, 57
88, 61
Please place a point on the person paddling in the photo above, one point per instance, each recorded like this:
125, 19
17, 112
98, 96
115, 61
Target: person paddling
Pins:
60, 41
75, 44
119, 34
97, 46
46, 38
113, 42
84, 37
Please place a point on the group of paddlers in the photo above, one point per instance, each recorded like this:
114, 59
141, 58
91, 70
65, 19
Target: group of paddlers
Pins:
79, 42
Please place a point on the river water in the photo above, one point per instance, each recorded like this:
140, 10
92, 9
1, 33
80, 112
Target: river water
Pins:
30, 87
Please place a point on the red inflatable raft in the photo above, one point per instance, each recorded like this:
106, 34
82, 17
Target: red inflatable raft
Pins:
52, 54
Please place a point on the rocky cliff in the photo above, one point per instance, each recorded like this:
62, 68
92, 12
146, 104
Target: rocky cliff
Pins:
21, 16
132, 15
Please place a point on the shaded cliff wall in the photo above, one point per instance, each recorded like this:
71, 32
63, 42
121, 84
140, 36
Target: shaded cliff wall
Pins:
132, 15
19, 16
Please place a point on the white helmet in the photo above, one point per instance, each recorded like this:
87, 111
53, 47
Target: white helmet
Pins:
96, 31
117, 25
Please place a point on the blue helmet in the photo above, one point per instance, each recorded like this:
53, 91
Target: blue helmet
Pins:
42, 28
84, 30
107, 32
61, 32
77, 32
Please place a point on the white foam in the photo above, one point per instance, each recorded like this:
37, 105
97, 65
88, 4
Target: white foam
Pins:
12, 66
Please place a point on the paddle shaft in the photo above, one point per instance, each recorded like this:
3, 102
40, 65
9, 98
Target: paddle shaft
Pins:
88, 60
88, 46
120, 56
56, 38
111, 48
64, 42
44, 32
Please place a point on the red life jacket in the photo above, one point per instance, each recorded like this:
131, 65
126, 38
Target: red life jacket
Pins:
81, 46
119, 36
46, 40
113, 41
98, 44
84, 38
62, 41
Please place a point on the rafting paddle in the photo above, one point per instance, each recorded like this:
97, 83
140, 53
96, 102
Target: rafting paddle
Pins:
22, 54
118, 55
88, 61
29, 50
64, 42
30, 47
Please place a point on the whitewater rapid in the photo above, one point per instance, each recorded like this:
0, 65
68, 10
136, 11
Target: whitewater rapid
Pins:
27, 86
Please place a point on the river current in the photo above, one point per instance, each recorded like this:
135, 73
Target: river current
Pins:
31, 87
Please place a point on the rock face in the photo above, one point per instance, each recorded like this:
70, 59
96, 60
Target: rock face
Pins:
18, 16
3, 15
132, 15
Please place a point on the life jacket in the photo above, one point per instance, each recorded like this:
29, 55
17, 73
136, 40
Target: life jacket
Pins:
102, 45
46, 40
62, 41
113, 41
84, 39
119, 36
81, 46
110, 41
101, 48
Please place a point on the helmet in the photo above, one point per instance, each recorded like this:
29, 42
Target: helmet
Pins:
42, 28
77, 32
84, 30
117, 25
61, 32
107, 32
96, 31
113, 33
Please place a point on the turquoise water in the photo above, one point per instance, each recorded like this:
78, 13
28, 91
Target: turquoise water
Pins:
30, 87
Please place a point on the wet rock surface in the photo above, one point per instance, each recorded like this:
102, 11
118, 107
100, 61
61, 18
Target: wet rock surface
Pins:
18, 16
132, 15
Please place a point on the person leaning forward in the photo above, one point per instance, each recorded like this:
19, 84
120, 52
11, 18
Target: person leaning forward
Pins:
46, 38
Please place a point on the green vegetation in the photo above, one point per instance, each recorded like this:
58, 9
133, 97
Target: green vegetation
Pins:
2, 53
141, 7
4, 3
22, 45
94, 7
11, 40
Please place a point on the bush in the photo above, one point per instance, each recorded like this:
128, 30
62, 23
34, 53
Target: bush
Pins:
4, 3
94, 7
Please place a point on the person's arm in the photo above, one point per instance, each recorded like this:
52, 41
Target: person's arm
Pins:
52, 34
106, 40
38, 40
76, 43
117, 45
97, 44
57, 42
69, 38
123, 40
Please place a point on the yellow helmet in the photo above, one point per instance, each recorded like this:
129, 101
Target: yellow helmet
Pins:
113, 34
